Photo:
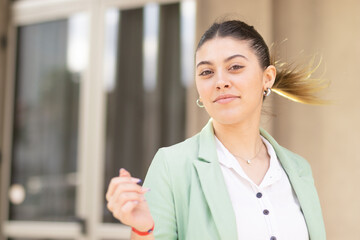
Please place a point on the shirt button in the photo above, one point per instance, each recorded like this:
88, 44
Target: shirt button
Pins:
273, 238
266, 212
259, 195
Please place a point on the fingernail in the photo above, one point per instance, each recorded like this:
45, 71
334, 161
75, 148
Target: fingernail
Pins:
145, 189
136, 180
135, 202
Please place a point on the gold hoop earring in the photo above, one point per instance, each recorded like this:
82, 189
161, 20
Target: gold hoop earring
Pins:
199, 103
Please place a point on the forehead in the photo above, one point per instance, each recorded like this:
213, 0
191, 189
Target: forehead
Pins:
222, 47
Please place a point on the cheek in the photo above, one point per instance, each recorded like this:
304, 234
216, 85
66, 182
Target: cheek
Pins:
254, 82
203, 88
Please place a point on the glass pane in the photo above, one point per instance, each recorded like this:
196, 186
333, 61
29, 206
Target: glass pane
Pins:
116, 238
146, 98
125, 98
44, 164
37, 239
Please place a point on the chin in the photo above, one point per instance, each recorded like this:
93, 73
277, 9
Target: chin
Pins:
228, 119
234, 115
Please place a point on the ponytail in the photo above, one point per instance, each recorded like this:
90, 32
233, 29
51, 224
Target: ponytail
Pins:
297, 84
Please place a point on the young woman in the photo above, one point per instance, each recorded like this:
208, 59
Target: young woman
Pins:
232, 180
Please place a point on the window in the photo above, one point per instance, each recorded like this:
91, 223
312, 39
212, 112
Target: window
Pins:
44, 164
93, 89
146, 103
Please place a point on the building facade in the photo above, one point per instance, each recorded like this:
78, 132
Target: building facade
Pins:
89, 86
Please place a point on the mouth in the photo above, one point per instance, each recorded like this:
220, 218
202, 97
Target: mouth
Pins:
225, 98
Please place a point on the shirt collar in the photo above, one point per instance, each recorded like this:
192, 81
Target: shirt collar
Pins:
224, 156
275, 170
226, 159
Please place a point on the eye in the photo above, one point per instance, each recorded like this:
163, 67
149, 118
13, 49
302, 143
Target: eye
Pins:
236, 67
205, 73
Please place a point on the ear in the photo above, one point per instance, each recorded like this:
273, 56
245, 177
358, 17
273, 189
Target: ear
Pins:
269, 76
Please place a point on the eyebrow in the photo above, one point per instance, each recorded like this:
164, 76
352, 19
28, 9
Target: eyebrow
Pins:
235, 56
226, 60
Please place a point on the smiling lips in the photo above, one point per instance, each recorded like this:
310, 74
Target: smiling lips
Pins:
225, 98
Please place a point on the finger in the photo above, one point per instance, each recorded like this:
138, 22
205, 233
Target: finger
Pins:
116, 202
124, 173
127, 187
115, 182
130, 187
122, 195
110, 206
123, 198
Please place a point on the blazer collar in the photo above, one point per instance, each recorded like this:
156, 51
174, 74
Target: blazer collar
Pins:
217, 196
286, 161
207, 149
213, 185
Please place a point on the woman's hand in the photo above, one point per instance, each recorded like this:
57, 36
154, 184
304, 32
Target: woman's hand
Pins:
127, 203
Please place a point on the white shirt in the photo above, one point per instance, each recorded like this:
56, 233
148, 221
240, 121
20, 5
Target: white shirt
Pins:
270, 211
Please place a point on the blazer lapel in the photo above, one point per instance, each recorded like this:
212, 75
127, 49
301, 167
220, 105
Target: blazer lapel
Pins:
213, 185
303, 185
217, 196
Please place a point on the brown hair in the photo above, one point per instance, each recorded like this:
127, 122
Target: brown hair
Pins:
293, 82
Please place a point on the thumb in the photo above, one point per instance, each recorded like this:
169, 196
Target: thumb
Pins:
124, 173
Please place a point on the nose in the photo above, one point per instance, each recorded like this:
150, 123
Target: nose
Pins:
222, 83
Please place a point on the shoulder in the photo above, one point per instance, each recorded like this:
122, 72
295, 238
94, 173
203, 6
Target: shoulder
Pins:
180, 153
172, 169
173, 166
301, 164
289, 160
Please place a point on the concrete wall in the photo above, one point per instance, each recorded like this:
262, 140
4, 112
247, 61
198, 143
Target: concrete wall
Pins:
327, 136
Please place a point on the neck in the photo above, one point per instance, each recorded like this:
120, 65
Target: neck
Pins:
240, 139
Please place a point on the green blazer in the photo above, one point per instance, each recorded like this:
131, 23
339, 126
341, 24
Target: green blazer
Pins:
189, 199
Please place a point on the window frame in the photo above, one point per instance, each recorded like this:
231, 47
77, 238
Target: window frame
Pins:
24, 13
92, 114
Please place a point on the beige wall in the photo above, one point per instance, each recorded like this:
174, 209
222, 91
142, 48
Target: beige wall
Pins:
328, 135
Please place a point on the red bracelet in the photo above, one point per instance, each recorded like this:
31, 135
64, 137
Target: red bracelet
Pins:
143, 233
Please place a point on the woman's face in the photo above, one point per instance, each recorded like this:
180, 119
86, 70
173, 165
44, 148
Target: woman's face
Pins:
230, 80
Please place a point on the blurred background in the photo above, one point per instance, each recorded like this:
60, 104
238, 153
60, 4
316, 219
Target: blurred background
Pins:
89, 86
